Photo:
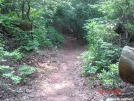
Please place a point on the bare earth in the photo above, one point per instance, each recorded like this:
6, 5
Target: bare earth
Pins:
59, 76
63, 81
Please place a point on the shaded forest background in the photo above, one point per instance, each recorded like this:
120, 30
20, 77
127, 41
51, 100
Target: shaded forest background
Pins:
28, 25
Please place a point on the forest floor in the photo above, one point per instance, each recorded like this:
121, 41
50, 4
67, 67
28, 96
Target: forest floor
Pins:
58, 76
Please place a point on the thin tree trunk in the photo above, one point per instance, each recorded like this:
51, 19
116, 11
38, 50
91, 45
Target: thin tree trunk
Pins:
23, 8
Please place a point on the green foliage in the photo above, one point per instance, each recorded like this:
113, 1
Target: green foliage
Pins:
131, 28
49, 10
71, 15
99, 57
45, 34
49, 18
24, 39
5, 20
30, 45
4, 68
2, 52
48, 37
18, 37
15, 79
40, 15
110, 77
25, 71
7, 72
54, 36
102, 52
118, 10
15, 55
39, 33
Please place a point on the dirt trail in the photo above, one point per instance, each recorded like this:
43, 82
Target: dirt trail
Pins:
59, 78
64, 82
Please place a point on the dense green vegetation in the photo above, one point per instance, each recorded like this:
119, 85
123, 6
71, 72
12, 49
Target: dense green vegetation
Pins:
30, 24
24, 27
104, 44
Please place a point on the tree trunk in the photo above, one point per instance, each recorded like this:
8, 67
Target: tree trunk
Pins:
126, 65
22, 7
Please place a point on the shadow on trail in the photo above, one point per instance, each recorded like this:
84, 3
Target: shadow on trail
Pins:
72, 43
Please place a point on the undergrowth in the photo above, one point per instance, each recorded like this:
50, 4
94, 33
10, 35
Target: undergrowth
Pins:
12, 74
102, 57
110, 78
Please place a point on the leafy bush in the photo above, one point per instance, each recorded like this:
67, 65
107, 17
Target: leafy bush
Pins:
102, 52
15, 55
70, 17
54, 36
131, 28
32, 39
48, 37
25, 71
14, 36
111, 77
4, 69
8, 72
30, 45
97, 59
15, 79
